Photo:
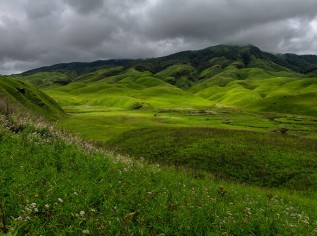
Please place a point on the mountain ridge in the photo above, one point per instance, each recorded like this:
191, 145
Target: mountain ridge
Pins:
288, 60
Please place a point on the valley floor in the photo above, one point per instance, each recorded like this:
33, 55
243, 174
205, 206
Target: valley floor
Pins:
102, 124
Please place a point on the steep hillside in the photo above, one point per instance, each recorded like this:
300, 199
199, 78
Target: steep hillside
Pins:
25, 97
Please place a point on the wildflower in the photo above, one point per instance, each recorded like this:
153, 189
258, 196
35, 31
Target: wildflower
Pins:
60, 200
81, 213
86, 231
47, 206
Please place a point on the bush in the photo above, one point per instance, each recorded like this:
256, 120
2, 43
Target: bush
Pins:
136, 105
283, 130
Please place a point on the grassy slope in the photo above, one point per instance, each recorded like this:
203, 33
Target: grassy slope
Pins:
122, 90
51, 184
248, 157
258, 90
43, 79
30, 98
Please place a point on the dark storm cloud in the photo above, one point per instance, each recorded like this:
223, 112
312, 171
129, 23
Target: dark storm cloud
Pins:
35, 33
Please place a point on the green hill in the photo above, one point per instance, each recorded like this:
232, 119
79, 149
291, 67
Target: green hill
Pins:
259, 90
123, 90
21, 96
233, 76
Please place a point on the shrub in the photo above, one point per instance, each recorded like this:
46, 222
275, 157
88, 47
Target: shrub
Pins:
136, 105
283, 130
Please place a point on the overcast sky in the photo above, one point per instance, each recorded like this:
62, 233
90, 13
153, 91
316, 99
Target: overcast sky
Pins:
34, 33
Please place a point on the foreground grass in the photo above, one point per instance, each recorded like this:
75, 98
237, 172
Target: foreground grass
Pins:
52, 184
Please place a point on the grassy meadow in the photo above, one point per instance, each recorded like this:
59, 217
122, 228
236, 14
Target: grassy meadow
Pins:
52, 183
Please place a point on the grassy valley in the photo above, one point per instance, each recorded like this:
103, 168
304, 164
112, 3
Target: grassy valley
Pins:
214, 141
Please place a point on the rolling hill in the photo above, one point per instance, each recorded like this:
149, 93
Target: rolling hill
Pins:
231, 76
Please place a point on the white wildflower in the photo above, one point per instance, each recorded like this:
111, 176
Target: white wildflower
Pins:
86, 231
60, 200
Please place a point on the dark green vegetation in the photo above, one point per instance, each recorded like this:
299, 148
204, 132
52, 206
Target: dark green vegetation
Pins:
243, 156
215, 141
21, 95
52, 183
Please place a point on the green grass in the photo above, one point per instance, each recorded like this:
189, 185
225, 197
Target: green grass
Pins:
52, 184
123, 90
102, 124
43, 79
257, 90
17, 94
244, 156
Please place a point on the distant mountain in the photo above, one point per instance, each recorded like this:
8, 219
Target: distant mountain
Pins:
200, 59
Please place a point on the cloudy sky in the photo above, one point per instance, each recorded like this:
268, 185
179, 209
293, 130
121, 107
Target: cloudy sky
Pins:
34, 33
